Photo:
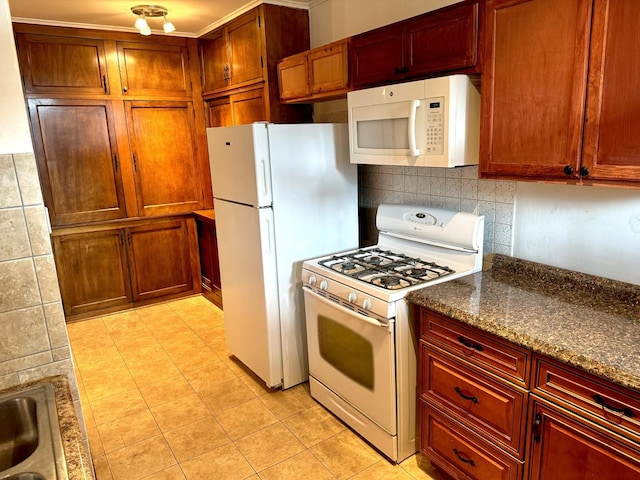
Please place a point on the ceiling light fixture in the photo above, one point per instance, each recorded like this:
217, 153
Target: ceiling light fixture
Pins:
151, 11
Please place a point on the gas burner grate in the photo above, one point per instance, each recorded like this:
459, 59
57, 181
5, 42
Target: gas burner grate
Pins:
385, 269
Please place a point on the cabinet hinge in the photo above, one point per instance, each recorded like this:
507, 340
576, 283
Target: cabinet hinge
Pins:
261, 62
258, 21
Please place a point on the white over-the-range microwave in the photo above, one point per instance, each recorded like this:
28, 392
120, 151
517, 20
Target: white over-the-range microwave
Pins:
428, 123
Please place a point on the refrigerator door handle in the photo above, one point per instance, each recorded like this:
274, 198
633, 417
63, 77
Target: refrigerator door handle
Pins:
267, 231
265, 187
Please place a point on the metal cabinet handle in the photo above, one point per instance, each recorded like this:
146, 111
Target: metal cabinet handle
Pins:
466, 397
536, 427
466, 343
626, 411
464, 459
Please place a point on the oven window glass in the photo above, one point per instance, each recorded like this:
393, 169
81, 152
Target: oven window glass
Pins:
347, 351
383, 134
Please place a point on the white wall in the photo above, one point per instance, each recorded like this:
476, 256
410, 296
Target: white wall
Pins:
336, 19
589, 229
14, 127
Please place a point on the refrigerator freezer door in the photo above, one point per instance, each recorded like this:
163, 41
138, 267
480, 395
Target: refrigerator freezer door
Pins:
250, 287
239, 161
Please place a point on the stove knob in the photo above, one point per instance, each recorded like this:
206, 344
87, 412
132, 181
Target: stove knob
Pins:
323, 285
366, 304
312, 280
353, 297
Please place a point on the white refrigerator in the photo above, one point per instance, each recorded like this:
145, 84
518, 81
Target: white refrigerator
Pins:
283, 194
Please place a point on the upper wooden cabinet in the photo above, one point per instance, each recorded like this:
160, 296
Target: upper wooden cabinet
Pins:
445, 40
164, 156
321, 73
233, 54
154, 69
54, 64
238, 66
77, 157
558, 99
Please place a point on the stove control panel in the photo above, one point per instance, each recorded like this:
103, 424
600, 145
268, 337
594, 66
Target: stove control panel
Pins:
333, 289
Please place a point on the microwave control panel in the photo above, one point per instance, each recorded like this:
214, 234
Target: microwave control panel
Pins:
434, 120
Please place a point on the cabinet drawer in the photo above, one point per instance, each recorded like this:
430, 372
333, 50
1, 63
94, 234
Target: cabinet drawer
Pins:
487, 405
461, 453
488, 352
609, 404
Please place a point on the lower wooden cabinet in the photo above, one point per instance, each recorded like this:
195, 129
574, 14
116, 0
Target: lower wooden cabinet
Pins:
551, 421
125, 264
564, 446
209, 263
246, 106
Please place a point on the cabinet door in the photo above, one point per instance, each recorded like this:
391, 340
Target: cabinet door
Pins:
293, 77
245, 39
612, 131
92, 270
75, 146
377, 57
164, 157
218, 112
55, 64
564, 447
534, 87
154, 69
159, 255
209, 264
445, 40
214, 61
249, 107
329, 68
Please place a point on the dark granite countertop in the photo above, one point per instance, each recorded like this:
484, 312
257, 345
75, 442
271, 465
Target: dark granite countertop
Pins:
79, 466
589, 322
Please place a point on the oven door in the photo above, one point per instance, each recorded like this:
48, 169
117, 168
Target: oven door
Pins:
353, 355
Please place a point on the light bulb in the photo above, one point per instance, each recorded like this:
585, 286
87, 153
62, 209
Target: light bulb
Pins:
145, 31
141, 23
168, 26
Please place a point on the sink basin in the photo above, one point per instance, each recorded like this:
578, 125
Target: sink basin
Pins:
30, 440
18, 431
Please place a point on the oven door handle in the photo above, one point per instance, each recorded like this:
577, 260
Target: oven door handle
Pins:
349, 312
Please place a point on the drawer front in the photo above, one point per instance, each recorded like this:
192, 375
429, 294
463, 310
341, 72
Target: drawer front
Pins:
491, 407
609, 404
460, 452
488, 352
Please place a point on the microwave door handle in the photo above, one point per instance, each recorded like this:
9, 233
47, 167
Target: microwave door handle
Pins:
414, 151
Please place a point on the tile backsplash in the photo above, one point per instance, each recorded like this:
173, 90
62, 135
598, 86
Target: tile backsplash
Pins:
452, 188
33, 336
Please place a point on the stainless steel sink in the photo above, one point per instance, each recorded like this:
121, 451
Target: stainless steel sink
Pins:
30, 440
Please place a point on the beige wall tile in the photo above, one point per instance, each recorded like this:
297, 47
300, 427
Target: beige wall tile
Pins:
38, 230
28, 178
18, 285
23, 333
54, 316
61, 353
8, 183
62, 367
15, 241
47, 278
9, 380
29, 361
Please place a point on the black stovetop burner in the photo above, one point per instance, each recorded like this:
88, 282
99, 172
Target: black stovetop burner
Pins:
386, 269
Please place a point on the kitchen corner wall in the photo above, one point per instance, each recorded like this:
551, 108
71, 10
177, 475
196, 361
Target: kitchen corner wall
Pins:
33, 335
452, 188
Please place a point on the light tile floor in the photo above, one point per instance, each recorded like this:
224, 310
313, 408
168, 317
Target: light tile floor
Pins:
164, 400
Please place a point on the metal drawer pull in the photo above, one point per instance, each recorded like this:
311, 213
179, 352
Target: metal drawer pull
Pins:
463, 459
626, 411
466, 343
466, 397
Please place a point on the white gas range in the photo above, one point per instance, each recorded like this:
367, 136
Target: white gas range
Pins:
360, 340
